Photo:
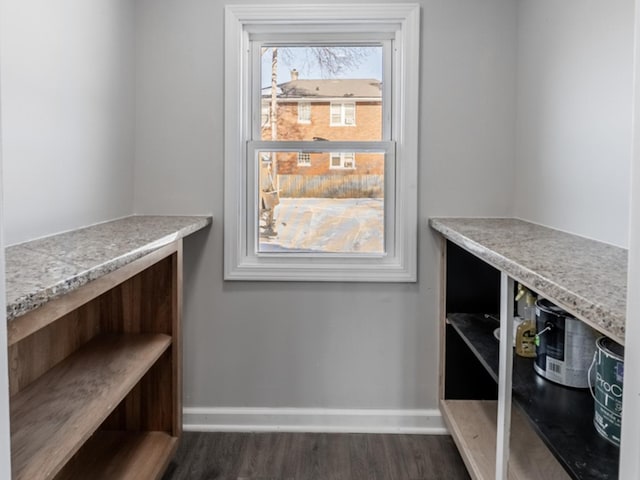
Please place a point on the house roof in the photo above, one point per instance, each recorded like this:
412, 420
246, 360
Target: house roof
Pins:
335, 88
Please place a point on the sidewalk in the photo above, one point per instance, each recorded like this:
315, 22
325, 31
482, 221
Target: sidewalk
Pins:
326, 225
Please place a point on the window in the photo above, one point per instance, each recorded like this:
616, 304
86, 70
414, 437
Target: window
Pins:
344, 221
342, 160
304, 112
343, 114
304, 159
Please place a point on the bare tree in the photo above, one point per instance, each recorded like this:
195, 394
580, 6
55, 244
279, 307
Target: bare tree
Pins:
330, 60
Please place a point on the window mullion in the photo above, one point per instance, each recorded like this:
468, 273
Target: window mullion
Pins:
322, 146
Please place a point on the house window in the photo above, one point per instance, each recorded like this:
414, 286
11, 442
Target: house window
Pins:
343, 114
345, 161
364, 227
304, 112
304, 159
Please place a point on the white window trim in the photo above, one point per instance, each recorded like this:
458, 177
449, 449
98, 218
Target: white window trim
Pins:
308, 108
399, 21
343, 114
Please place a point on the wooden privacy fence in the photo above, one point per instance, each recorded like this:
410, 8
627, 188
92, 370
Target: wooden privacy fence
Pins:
331, 186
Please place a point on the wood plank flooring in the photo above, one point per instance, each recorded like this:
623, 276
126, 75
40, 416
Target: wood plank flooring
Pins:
315, 456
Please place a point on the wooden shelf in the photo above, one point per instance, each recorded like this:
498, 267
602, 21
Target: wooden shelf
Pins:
561, 416
57, 413
472, 424
122, 455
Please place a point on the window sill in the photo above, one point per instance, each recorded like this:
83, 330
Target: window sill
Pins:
344, 269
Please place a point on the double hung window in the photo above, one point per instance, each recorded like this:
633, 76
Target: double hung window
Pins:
343, 114
343, 160
298, 206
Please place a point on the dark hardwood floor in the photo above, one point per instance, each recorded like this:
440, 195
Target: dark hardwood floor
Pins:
315, 456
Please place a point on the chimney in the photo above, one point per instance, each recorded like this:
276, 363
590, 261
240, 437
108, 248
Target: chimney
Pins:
294, 74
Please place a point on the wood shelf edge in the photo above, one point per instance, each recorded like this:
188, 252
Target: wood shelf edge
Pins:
109, 455
472, 424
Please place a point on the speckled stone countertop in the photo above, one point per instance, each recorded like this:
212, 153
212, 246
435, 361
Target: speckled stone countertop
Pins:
44, 269
585, 277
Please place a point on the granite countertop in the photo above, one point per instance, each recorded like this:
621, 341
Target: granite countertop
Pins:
41, 270
585, 277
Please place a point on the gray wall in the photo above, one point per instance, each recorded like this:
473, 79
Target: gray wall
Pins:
67, 113
308, 344
5, 449
575, 77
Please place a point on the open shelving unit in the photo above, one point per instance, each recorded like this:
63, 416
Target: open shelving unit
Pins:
550, 434
95, 376
560, 416
59, 411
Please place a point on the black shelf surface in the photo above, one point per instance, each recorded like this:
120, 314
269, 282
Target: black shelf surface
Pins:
562, 416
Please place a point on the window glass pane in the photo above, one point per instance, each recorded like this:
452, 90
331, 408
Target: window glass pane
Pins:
334, 204
304, 112
348, 161
336, 114
318, 91
349, 113
304, 159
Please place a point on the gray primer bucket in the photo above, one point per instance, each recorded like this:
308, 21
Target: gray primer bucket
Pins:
565, 346
609, 372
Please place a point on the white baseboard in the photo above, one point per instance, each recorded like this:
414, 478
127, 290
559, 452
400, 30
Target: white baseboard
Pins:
197, 419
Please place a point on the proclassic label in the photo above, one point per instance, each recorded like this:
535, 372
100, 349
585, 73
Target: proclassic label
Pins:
609, 395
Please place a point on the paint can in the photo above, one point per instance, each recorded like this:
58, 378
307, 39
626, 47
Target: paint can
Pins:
607, 390
564, 346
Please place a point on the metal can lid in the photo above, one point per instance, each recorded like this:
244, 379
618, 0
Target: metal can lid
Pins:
610, 348
551, 308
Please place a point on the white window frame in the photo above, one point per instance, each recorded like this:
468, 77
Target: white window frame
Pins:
343, 157
245, 27
306, 163
344, 120
304, 107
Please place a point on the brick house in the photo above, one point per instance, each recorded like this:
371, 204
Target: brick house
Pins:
319, 109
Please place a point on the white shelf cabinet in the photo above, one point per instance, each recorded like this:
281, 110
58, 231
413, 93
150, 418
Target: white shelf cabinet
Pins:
547, 433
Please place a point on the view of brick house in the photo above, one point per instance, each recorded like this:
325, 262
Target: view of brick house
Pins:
326, 110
